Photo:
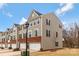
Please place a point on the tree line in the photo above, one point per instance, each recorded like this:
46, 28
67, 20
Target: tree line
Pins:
71, 36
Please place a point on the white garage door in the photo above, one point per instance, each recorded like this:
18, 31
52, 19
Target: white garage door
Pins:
4, 45
22, 46
35, 46
0, 45
8, 45
13, 46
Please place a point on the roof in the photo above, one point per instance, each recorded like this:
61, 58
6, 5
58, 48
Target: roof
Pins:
16, 24
37, 12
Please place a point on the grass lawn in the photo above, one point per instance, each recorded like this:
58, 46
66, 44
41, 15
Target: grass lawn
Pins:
59, 52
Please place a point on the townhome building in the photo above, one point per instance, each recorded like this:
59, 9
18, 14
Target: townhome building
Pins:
3, 39
44, 32
46, 26
13, 36
9, 37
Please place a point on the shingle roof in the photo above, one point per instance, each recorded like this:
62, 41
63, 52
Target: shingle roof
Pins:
16, 24
37, 12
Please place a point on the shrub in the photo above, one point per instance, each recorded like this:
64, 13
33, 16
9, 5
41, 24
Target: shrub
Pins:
25, 53
2, 47
10, 48
41, 49
16, 49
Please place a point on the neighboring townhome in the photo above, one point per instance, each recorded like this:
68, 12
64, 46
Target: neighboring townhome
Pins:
13, 36
44, 33
3, 39
0, 39
22, 36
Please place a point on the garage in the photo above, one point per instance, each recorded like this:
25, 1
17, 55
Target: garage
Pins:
8, 45
13, 46
0, 45
3, 45
35, 46
22, 45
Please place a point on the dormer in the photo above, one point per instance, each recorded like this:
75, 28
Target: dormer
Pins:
34, 14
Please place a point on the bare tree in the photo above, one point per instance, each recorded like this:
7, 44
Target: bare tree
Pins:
71, 36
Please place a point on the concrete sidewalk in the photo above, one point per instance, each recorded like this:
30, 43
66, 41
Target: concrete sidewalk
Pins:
10, 52
7, 52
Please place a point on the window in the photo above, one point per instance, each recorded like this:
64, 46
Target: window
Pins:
56, 34
24, 27
11, 37
60, 26
24, 35
20, 36
14, 38
34, 23
35, 32
47, 22
14, 30
56, 43
3, 40
78, 34
31, 24
48, 33
38, 21
29, 34
11, 31
7, 33
20, 28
